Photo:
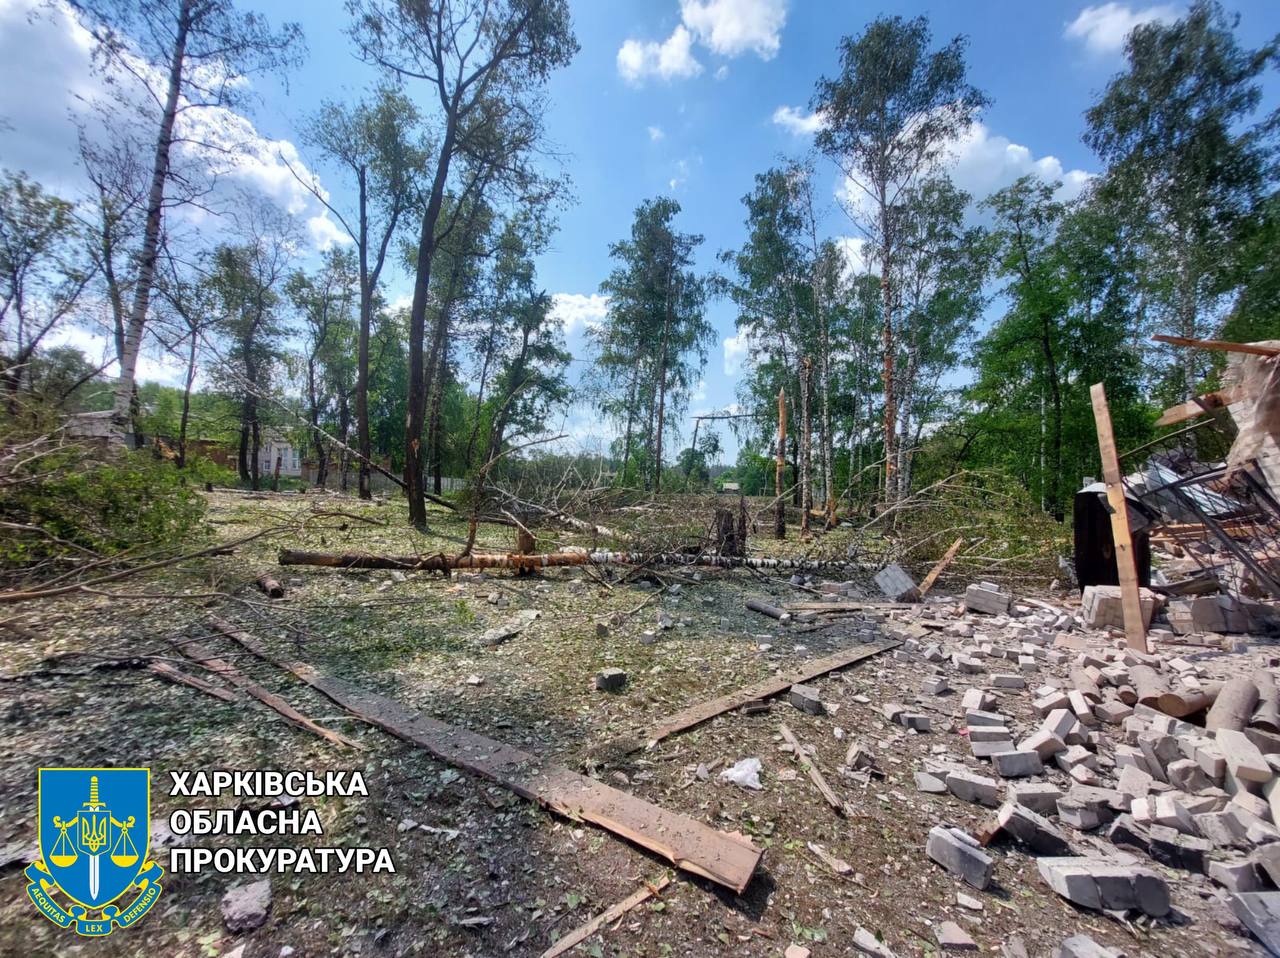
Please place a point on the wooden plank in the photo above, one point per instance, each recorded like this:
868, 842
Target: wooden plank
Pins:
1200, 405
1218, 345
1135, 629
584, 932
697, 714
234, 676
166, 671
728, 859
810, 766
938, 569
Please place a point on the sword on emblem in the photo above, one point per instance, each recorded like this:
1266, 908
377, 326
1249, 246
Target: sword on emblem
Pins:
95, 833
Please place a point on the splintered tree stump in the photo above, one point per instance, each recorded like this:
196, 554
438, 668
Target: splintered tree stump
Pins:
526, 544
724, 533
1234, 707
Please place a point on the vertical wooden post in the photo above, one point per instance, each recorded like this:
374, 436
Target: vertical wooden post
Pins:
1135, 628
780, 516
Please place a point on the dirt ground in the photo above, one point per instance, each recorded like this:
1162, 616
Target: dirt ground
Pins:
467, 849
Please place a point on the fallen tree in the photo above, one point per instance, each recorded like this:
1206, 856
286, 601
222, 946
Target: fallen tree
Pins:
511, 560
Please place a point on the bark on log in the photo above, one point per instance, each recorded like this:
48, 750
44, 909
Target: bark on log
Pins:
1234, 706
772, 611
270, 586
1266, 715
1186, 702
1084, 683
1148, 684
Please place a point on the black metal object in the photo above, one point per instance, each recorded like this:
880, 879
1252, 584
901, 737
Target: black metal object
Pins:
1095, 555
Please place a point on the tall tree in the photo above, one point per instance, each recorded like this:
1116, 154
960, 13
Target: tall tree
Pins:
656, 303
1183, 160
378, 143
325, 301
42, 273
888, 116
484, 62
187, 55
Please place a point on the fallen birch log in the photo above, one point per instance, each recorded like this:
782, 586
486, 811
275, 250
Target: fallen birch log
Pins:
1234, 706
444, 563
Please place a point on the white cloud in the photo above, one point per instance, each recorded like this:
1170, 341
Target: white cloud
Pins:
46, 41
733, 27
737, 349
980, 163
575, 311
796, 121
1104, 28
699, 391
722, 71
671, 59
727, 28
154, 365
853, 250
983, 162
656, 133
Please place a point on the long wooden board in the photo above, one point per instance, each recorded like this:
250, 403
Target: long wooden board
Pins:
1135, 627
1200, 405
728, 859
697, 714
941, 566
1218, 345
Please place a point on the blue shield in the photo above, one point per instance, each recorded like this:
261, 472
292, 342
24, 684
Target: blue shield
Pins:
95, 830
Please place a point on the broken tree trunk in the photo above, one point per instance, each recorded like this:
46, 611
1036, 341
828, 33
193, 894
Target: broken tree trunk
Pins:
444, 563
270, 586
941, 567
772, 611
1266, 715
810, 766
1234, 706
724, 533
728, 859
780, 466
1148, 684
1186, 702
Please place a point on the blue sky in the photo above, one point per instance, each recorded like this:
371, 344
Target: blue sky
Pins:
670, 97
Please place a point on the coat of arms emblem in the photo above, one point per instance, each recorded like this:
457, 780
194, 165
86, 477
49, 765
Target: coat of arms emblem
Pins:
95, 832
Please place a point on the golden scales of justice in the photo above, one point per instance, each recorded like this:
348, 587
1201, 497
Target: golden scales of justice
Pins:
96, 831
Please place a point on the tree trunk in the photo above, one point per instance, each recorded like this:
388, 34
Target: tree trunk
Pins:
887, 343
186, 401
437, 427
806, 440
780, 506
255, 435
363, 440
132, 340
415, 415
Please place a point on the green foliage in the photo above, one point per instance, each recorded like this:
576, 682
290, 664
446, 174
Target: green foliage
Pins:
84, 507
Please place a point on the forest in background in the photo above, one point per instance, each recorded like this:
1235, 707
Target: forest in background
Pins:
893, 375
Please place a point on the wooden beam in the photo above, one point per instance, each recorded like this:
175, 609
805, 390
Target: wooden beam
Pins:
810, 765
1135, 629
938, 569
584, 932
1200, 405
166, 671
1218, 345
728, 859
702, 712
